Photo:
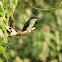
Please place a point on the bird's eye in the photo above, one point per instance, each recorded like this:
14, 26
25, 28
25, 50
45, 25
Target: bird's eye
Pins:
11, 31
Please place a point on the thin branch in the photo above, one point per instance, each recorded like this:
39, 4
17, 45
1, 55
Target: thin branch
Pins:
13, 32
26, 32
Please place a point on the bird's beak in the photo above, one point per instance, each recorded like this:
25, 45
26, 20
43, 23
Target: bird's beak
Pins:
39, 18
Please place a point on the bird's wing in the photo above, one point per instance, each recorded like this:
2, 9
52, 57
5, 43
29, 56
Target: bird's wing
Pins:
26, 25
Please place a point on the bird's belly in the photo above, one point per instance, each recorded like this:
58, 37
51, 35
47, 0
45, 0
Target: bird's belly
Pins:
31, 25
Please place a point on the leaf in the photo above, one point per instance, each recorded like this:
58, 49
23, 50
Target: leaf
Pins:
3, 51
13, 4
1, 60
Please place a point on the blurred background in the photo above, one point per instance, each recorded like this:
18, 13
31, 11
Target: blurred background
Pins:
44, 44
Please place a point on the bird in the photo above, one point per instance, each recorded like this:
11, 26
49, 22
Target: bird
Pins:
27, 26
11, 31
30, 23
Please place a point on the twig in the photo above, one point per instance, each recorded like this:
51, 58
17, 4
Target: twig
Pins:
26, 32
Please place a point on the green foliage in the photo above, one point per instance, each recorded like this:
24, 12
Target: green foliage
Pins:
2, 49
5, 13
43, 44
1, 60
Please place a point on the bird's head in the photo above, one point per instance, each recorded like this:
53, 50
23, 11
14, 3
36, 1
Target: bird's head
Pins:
35, 18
